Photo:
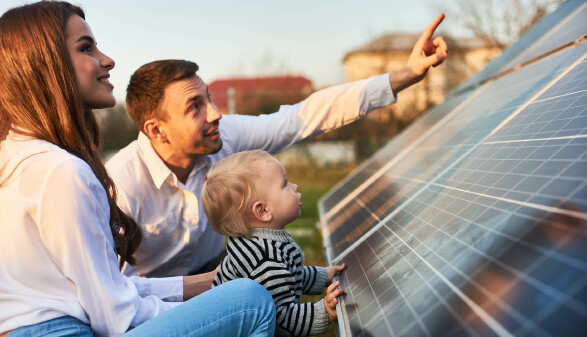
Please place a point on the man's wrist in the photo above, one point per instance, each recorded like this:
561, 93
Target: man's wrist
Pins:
402, 79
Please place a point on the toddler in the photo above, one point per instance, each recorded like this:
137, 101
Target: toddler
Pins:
247, 197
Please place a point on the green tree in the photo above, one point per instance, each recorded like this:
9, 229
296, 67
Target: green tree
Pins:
118, 129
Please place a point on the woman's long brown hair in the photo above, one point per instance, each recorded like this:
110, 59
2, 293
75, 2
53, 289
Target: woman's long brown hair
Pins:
39, 97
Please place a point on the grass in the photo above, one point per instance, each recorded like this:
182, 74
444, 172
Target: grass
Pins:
313, 183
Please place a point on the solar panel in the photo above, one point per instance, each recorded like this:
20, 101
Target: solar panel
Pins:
477, 226
563, 26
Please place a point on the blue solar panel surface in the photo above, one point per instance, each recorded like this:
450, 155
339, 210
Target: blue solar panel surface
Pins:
473, 223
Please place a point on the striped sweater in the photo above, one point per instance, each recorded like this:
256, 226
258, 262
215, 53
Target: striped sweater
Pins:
274, 260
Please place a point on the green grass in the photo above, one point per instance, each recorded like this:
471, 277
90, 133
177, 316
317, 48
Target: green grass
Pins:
313, 183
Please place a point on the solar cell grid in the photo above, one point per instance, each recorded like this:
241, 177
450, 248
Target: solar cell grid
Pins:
570, 28
383, 156
438, 151
480, 228
367, 211
565, 25
498, 264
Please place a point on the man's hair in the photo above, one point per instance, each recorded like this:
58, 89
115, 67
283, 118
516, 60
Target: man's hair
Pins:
146, 88
229, 190
39, 97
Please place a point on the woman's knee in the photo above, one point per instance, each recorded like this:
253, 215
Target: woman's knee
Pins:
252, 288
248, 285
254, 292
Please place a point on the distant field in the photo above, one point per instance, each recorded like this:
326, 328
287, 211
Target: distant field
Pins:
313, 183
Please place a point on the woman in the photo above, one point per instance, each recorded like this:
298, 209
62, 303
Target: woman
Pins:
63, 237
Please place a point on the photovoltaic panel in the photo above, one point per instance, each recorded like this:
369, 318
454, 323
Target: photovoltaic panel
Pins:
482, 240
566, 24
392, 149
474, 118
521, 51
568, 29
478, 226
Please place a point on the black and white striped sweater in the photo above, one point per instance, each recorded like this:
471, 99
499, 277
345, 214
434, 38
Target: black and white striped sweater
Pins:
274, 260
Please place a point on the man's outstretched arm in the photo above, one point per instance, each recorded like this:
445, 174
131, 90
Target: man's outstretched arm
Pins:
428, 52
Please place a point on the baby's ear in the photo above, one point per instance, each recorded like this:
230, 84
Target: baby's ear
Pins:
260, 212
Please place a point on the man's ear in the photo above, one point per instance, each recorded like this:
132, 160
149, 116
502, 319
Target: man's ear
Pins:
154, 131
260, 212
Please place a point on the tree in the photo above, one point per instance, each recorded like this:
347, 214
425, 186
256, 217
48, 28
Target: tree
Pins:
498, 22
117, 128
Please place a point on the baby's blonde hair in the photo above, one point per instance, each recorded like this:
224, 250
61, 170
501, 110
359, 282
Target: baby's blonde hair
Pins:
228, 191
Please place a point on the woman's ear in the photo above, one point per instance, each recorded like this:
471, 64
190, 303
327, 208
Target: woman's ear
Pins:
260, 212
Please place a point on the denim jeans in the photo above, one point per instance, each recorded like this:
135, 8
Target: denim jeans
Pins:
65, 326
236, 308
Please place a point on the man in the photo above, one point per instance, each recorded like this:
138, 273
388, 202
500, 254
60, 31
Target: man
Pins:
159, 176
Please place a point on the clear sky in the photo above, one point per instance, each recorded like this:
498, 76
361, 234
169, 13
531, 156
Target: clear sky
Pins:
244, 38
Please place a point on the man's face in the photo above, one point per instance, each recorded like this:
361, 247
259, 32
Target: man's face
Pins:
192, 124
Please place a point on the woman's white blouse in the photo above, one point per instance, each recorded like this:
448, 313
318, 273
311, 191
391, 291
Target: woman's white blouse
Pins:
57, 253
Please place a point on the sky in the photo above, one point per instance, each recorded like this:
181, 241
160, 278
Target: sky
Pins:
228, 38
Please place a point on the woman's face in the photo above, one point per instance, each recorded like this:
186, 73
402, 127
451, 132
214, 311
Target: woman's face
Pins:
90, 65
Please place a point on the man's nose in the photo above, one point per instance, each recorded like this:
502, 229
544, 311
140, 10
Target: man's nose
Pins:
212, 113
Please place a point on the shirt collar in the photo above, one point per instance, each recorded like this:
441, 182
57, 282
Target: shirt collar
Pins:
157, 168
16, 133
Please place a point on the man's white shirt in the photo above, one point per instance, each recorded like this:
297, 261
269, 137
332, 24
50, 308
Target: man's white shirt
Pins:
178, 238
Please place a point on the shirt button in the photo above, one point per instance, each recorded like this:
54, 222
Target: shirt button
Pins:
193, 222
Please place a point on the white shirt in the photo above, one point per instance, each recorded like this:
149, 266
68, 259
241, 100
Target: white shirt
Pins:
57, 254
177, 236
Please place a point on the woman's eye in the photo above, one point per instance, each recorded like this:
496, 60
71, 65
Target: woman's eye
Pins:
87, 49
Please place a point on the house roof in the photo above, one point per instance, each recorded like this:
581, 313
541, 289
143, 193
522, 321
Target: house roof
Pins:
297, 87
271, 83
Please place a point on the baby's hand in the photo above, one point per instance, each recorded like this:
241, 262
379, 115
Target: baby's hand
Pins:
330, 300
332, 271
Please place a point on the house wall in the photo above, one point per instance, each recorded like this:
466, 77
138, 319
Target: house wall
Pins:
439, 82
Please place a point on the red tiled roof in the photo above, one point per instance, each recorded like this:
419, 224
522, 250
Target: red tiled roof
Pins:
281, 87
281, 83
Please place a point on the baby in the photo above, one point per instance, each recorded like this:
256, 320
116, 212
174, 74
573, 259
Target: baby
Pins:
247, 197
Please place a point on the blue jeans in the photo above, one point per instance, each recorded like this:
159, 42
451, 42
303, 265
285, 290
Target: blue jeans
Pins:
236, 308
65, 326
